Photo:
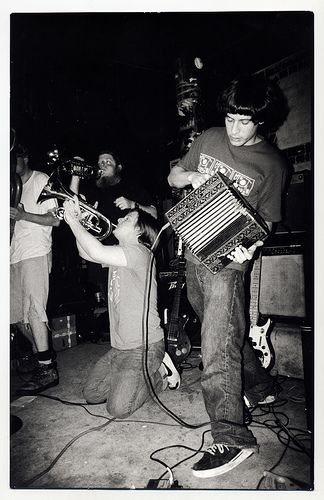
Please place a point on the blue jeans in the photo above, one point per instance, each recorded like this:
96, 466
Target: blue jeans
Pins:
118, 379
219, 302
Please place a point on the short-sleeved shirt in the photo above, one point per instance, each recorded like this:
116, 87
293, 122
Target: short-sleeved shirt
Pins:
126, 294
29, 239
258, 171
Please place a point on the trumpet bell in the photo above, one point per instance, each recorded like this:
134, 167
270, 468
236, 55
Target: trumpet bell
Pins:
93, 221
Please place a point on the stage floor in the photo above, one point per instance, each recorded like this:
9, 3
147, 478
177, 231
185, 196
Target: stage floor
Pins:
63, 446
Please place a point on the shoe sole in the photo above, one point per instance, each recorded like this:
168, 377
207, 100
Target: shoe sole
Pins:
21, 392
250, 406
218, 471
272, 399
171, 371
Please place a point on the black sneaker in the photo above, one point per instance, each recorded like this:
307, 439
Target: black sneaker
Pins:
218, 459
44, 377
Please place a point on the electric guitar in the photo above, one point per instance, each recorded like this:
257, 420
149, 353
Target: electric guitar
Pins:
259, 335
178, 343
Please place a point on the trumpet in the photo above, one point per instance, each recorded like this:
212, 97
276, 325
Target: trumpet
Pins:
73, 166
80, 168
92, 220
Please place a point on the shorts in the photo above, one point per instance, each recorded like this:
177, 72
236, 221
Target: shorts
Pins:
29, 285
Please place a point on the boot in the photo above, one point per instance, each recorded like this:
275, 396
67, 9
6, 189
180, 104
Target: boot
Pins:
27, 363
45, 376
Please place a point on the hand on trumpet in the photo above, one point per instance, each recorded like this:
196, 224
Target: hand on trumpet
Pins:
72, 211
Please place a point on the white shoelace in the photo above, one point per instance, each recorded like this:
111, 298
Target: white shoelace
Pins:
214, 448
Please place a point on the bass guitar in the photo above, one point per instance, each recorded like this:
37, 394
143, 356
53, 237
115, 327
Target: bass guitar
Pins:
259, 334
178, 343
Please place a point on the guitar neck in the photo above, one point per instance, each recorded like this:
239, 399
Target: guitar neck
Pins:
255, 291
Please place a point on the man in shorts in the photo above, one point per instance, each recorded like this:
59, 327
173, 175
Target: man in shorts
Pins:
30, 265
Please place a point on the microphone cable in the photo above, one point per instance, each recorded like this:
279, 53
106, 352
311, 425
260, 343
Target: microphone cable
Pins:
147, 292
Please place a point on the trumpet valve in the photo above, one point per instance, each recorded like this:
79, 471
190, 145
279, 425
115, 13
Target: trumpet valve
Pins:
59, 213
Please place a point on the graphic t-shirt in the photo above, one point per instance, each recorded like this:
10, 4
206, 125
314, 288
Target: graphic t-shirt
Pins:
258, 171
126, 290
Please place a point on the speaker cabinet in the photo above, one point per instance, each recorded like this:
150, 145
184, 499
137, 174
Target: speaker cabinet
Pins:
287, 345
282, 286
297, 204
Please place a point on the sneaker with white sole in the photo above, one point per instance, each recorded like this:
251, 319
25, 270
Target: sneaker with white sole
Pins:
219, 459
271, 398
268, 400
172, 374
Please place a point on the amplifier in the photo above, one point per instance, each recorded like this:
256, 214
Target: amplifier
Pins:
282, 283
292, 249
298, 204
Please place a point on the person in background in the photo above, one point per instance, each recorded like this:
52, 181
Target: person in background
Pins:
112, 195
118, 378
258, 171
30, 266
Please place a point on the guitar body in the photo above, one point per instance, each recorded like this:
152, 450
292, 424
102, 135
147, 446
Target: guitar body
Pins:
260, 339
177, 341
259, 335
179, 345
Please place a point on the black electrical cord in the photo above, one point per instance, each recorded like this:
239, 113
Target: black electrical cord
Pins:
276, 426
84, 405
196, 451
284, 434
274, 466
147, 377
66, 447
145, 329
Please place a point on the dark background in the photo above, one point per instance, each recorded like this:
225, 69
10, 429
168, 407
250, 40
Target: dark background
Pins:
85, 82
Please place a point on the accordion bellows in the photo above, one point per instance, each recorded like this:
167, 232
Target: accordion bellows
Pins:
213, 220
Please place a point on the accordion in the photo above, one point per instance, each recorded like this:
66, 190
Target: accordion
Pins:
213, 219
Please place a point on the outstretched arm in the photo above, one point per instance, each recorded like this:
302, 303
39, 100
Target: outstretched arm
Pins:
47, 219
124, 204
91, 248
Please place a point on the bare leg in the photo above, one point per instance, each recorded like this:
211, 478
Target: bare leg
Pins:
40, 334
